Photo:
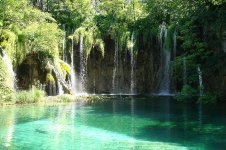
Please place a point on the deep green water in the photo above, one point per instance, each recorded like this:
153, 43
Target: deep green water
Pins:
119, 124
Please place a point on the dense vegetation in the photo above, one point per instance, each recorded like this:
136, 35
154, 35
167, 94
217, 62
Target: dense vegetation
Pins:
37, 27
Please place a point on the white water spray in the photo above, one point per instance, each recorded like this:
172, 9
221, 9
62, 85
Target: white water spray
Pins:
165, 82
60, 88
73, 79
114, 90
132, 63
83, 66
200, 82
12, 75
175, 44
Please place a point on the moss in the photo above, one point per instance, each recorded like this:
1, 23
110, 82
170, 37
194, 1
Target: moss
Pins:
8, 39
50, 78
65, 67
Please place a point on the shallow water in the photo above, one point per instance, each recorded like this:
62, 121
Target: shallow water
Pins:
136, 123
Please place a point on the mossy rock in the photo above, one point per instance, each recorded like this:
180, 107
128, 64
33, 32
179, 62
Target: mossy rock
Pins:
65, 67
50, 78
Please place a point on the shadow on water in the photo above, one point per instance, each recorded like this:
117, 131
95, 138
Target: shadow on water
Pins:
164, 119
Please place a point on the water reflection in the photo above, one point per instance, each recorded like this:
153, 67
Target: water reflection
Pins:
11, 127
131, 123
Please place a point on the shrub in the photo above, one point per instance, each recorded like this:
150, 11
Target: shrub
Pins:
187, 93
209, 97
27, 97
64, 98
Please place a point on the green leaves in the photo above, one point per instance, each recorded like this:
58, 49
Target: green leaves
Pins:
43, 37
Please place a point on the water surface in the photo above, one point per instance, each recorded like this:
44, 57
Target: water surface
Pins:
133, 123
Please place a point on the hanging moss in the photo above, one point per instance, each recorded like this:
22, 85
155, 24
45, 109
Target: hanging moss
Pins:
65, 67
50, 78
8, 42
100, 44
91, 38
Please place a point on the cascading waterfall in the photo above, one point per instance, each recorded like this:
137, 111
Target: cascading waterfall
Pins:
175, 44
132, 63
73, 79
38, 3
94, 77
165, 83
200, 81
12, 74
115, 67
83, 66
60, 88
185, 71
94, 86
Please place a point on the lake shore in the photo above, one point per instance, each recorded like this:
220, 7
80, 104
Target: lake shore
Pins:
58, 100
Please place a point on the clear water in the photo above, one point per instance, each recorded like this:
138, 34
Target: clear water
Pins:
119, 124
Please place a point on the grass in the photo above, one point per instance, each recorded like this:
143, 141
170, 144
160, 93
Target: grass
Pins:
27, 97
39, 97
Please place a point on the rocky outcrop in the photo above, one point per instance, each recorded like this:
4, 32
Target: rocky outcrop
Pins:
42, 74
60, 79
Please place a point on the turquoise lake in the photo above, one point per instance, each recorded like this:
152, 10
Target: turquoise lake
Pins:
120, 123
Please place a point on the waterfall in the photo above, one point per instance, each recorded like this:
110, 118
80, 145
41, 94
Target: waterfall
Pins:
94, 86
64, 46
38, 3
165, 83
94, 77
185, 71
12, 75
114, 90
73, 80
224, 41
60, 88
200, 81
175, 44
83, 66
132, 63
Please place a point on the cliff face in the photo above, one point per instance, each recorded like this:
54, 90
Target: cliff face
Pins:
146, 70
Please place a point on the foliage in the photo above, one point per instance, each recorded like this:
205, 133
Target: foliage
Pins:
30, 26
209, 97
42, 37
64, 98
65, 67
91, 38
187, 93
50, 78
26, 97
